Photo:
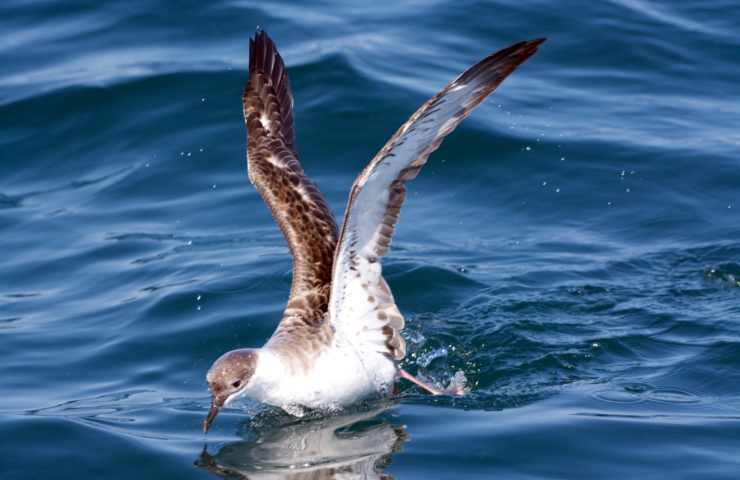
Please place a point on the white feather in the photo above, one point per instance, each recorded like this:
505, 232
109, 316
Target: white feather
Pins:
340, 376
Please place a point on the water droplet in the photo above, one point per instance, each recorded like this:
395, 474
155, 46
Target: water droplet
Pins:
427, 358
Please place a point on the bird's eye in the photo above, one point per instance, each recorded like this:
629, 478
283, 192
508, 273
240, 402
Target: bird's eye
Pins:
236, 384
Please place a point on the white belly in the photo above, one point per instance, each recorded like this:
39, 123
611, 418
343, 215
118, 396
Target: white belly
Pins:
339, 377
343, 376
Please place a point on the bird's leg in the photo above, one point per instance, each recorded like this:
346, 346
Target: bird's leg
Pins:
457, 386
413, 379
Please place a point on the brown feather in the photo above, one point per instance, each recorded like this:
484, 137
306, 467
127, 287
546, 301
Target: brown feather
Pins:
295, 202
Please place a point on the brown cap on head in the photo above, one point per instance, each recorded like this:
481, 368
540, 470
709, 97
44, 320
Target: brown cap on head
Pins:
228, 375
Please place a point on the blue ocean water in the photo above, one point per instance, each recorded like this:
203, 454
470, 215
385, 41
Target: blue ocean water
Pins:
573, 247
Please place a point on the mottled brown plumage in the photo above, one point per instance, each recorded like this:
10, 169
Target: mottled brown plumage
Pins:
296, 203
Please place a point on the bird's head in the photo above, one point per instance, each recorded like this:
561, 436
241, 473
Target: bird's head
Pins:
227, 378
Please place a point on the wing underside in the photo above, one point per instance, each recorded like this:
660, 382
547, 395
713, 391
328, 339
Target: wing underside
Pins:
361, 303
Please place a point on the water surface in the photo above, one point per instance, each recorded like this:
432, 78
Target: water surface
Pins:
573, 247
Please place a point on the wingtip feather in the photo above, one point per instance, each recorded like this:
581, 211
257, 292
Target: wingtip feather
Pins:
538, 41
263, 54
498, 65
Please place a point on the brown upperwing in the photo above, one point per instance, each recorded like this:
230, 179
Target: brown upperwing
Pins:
294, 200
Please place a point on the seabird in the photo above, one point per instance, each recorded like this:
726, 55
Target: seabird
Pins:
339, 340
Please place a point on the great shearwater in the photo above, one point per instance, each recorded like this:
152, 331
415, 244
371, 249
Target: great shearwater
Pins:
339, 340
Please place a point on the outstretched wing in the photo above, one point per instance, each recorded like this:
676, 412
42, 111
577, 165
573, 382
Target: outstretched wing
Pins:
295, 202
361, 302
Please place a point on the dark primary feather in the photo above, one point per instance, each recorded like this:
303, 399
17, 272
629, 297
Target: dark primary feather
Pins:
265, 60
294, 200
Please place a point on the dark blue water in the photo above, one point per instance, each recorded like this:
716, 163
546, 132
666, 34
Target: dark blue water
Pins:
574, 247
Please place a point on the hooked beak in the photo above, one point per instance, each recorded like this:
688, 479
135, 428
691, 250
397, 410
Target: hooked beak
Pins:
216, 404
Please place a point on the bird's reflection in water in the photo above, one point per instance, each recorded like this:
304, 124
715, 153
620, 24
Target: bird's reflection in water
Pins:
347, 446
